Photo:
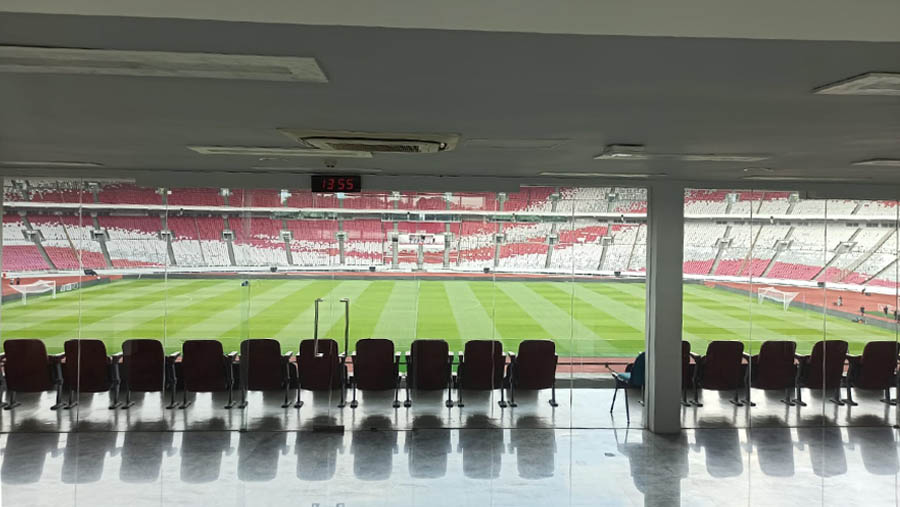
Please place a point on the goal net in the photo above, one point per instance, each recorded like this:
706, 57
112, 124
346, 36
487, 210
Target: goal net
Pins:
38, 287
778, 296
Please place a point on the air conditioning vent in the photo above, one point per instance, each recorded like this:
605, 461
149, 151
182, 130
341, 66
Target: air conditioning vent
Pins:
374, 142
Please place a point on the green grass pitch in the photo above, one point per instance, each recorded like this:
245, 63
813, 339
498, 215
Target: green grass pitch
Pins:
585, 319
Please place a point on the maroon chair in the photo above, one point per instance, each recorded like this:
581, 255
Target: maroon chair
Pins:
206, 369
263, 367
27, 368
323, 373
88, 369
720, 369
875, 369
823, 369
773, 368
534, 367
687, 372
145, 368
429, 367
375, 368
481, 367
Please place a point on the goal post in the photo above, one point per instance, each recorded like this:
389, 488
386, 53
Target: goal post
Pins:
38, 287
778, 296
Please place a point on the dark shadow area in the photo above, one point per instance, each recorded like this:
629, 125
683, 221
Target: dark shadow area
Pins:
481, 450
373, 449
427, 447
24, 456
201, 452
317, 451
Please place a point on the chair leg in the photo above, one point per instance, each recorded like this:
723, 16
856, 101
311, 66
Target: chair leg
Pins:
459, 396
613, 404
512, 395
798, 400
115, 401
172, 404
287, 394
836, 397
243, 403
849, 399
627, 409
735, 400
353, 402
128, 403
502, 402
11, 402
697, 396
231, 397
343, 402
396, 403
887, 397
72, 402
184, 401
553, 402
449, 402
407, 403
787, 398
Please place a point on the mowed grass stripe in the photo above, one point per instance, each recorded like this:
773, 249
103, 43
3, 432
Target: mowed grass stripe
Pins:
472, 321
330, 311
435, 317
398, 318
24, 317
513, 322
213, 317
275, 309
595, 331
106, 318
365, 312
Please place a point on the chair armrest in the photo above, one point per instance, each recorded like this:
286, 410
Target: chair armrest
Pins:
450, 358
57, 358
695, 356
116, 358
288, 355
854, 359
746, 356
232, 356
173, 357
462, 357
511, 355
396, 358
803, 358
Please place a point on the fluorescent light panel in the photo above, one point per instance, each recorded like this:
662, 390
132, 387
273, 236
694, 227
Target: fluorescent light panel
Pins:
600, 175
47, 163
258, 151
35, 60
871, 83
317, 170
879, 162
822, 179
637, 152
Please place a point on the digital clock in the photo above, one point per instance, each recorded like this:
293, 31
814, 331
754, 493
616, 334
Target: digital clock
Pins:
343, 183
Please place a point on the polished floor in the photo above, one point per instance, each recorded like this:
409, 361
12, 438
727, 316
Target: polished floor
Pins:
480, 454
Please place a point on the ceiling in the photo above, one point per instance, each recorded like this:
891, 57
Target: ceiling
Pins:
554, 100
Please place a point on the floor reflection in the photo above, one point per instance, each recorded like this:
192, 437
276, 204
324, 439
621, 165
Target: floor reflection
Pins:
373, 450
201, 453
535, 448
142, 455
427, 447
24, 456
317, 452
482, 449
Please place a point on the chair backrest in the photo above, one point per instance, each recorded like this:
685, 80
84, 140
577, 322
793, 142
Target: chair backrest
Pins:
638, 370
721, 369
483, 365
319, 373
203, 366
87, 366
826, 364
687, 372
535, 365
27, 366
879, 365
261, 365
428, 366
373, 366
144, 365
773, 367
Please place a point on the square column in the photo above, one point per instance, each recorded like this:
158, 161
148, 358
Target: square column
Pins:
665, 251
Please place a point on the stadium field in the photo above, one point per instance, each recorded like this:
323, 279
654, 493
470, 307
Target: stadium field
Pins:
588, 319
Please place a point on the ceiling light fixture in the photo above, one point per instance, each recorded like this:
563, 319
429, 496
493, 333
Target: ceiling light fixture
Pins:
47, 164
879, 162
714, 157
637, 152
812, 179
870, 83
39, 60
759, 170
336, 170
601, 175
259, 151
623, 152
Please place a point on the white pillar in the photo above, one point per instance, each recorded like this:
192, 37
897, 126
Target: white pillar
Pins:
665, 245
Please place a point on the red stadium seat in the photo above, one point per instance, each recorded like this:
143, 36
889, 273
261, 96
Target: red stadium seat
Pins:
481, 367
28, 369
534, 367
823, 369
88, 369
264, 368
323, 373
375, 368
773, 368
206, 369
720, 369
429, 367
875, 369
145, 368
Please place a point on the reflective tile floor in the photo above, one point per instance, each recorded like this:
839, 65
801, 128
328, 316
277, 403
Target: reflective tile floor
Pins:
532, 454
437, 466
